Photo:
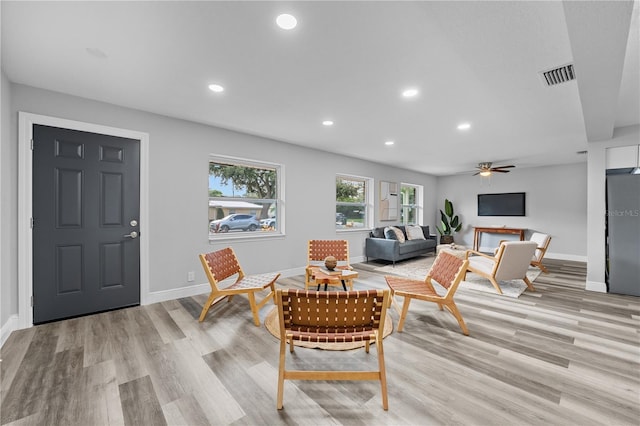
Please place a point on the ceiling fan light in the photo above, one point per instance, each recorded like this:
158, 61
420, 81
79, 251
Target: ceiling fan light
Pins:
485, 173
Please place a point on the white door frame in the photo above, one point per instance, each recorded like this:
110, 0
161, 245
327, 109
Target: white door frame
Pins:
25, 204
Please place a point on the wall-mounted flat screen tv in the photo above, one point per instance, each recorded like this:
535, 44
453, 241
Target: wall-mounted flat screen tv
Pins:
505, 204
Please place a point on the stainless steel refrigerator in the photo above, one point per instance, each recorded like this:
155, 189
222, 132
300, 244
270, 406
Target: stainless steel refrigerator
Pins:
623, 233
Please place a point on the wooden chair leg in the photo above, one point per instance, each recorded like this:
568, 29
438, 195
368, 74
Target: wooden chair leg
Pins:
403, 314
270, 296
382, 371
456, 313
528, 283
206, 307
254, 308
281, 374
541, 266
495, 284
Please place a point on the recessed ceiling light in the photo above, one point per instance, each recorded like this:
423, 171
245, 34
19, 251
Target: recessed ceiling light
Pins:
464, 126
410, 93
327, 123
389, 143
286, 21
216, 88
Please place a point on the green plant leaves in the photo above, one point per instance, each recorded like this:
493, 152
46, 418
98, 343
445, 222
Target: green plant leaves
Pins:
450, 223
448, 207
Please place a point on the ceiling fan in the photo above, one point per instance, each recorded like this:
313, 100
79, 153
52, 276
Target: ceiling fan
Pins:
485, 169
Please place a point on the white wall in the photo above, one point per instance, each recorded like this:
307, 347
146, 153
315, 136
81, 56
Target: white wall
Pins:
178, 192
556, 195
8, 211
556, 201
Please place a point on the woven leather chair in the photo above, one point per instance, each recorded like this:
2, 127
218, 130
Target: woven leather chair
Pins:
317, 252
510, 263
447, 270
222, 264
331, 317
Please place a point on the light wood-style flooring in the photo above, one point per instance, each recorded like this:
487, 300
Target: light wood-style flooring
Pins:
558, 356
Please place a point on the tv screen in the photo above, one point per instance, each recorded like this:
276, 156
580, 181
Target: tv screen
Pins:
506, 204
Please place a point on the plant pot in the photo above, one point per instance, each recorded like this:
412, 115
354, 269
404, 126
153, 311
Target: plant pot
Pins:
446, 239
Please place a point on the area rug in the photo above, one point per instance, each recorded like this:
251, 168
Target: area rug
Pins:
418, 268
271, 323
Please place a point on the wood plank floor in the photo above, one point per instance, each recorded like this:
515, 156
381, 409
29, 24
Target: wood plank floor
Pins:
559, 356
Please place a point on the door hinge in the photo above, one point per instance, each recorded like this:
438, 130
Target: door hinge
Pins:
31, 144
32, 301
32, 222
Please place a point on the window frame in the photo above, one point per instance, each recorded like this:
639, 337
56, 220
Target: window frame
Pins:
367, 204
279, 199
418, 205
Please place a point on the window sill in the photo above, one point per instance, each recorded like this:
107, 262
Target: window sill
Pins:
255, 236
346, 230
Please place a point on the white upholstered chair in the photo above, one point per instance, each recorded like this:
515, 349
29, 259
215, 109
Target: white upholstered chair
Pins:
543, 241
510, 262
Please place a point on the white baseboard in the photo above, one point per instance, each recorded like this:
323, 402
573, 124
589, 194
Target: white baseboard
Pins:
596, 286
7, 328
194, 290
563, 256
176, 293
549, 255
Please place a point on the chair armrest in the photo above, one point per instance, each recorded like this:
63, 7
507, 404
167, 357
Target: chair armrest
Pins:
477, 253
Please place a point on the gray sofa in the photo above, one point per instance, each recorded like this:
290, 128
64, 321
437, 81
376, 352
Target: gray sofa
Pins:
380, 247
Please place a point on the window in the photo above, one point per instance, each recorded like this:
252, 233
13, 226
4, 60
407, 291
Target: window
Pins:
352, 202
410, 204
244, 198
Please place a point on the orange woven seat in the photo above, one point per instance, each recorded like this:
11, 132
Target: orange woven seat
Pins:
447, 270
331, 317
222, 264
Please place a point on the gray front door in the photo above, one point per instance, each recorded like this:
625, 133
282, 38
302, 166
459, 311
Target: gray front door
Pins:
86, 251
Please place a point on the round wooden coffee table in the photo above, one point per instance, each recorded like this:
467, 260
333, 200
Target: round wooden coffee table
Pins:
458, 251
345, 278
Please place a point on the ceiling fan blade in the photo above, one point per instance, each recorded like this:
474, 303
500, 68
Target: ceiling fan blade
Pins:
500, 171
476, 173
504, 167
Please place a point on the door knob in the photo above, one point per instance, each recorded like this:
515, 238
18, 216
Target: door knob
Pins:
132, 235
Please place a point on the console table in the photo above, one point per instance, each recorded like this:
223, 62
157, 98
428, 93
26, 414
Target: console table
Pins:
495, 230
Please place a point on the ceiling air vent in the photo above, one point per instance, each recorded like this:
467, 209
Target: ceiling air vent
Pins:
559, 75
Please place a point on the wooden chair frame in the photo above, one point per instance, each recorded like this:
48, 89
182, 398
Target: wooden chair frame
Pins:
447, 270
222, 264
541, 251
331, 317
497, 262
317, 252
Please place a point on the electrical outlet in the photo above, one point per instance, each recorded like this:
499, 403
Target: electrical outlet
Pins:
191, 276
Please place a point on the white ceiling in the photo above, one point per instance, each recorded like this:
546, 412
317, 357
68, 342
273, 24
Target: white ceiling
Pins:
475, 62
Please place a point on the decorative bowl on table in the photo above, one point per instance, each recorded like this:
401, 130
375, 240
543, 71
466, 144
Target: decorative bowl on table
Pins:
330, 263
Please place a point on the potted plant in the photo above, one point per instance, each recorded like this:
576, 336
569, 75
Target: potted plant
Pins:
450, 223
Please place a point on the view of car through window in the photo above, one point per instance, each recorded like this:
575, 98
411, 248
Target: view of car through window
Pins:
243, 198
235, 222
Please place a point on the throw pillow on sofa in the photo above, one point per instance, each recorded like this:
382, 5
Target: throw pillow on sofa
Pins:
393, 233
414, 232
378, 233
